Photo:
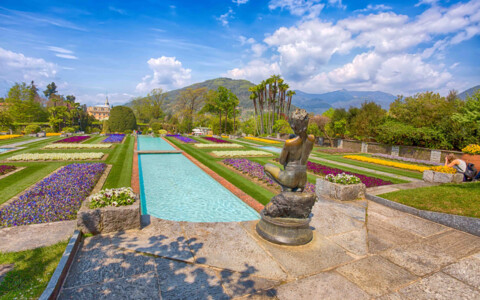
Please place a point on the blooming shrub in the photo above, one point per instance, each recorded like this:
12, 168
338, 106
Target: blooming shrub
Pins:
256, 170
9, 136
444, 169
74, 139
57, 156
215, 140
343, 178
56, 198
413, 160
77, 146
262, 140
182, 138
218, 146
472, 149
4, 169
387, 163
114, 138
240, 153
113, 197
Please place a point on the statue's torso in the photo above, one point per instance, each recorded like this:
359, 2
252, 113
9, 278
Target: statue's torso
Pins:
295, 152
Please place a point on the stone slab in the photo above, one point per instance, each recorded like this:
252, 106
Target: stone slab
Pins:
229, 246
440, 286
353, 209
466, 270
376, 275
328, 285
144, 286
328, 221
241, 284
353, 241
418, 258
382, 236
416, 225
179, 280
454, 243
161, 238
33, 236
309, 259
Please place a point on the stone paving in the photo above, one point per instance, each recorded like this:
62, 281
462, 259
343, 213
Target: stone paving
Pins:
360, 250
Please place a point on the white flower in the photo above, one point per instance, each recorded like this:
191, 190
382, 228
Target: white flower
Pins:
241, 153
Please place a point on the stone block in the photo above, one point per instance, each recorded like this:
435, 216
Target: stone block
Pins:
341, 192
89, 221
442, 177
428, 175
438, 177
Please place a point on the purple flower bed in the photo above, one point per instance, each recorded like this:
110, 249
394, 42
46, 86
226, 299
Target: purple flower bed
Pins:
182, 138
255, 170
406, 159
215, 140
55, 198
324, 170
74, 139
4, 169
114, 138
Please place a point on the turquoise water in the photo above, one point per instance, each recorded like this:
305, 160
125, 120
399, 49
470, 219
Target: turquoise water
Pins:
174, 188
270, 148
5, 149
151, 143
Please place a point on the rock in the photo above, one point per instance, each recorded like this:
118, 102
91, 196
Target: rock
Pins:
290, 205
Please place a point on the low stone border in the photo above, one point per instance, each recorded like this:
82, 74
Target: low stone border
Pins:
18, 169
439, 177
467, 224
58, 277
342, 192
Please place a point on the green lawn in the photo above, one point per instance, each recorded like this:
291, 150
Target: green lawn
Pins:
15, 140
32, 271
396, 171
122, 161
458, 199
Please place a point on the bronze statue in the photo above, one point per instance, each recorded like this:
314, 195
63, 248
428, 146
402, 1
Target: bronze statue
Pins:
294, 156
285, 219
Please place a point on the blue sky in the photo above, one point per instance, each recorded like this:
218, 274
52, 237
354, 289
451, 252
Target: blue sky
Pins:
127, 48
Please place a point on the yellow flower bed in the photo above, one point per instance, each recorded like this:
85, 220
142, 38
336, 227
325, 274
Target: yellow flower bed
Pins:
53, 134
261, 140
225, 136
472, 149
443, 169
388, 163
9, 136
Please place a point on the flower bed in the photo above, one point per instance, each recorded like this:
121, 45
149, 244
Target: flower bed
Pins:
9, 136
215, 140
444, 169
218, 145
56, 198
182, 138
4, 169
74, 139
387, 163
114, 138
343, 179
406, 159
256, 170
113, 197
240, 153
53, 134
57, 156
77, 146
261, 140
471, 149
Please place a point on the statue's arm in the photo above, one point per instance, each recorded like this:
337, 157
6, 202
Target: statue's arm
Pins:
283, 155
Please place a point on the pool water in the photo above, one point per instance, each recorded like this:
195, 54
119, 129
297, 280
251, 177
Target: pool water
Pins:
174, 188
5, 149
270, 148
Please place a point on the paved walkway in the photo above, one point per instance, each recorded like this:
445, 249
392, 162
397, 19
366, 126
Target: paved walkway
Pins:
25, 142
378, 190
389, 255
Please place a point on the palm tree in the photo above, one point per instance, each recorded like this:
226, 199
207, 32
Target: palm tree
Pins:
254, 96
261, 90
290, 95
283, 87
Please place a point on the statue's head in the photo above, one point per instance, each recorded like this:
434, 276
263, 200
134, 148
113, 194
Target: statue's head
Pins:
299, 121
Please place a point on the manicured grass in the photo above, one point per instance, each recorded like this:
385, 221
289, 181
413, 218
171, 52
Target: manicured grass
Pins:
32, 271
122, 161
371, 166
257, 192
15, 140
94, 139
458, 199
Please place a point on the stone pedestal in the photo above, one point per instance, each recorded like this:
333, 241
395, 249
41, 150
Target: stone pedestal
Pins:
285, 231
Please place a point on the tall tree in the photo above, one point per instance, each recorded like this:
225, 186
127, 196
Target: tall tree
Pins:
190, 100
51, 90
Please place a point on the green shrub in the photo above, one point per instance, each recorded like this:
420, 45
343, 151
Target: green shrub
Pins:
162, 131
128, 131
121, 118
32, 129
156, 126
49, 130
68, 130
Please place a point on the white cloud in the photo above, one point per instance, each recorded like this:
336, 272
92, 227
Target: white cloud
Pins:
239, 2
99, 98
59, 50
168, 73
67, 56
258, 49
243, 40
255, 71
225, 17
308, 8
426, 2
117, 10
378, 7
17, 67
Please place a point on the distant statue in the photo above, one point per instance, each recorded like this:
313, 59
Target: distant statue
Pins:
285, 219
294, 156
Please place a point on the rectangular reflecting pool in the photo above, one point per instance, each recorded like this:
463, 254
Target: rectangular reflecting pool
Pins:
174, 188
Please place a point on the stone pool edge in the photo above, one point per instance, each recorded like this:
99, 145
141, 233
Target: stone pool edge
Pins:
247, 199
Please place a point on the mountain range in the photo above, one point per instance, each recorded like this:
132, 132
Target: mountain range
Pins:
463, 95
317, 103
